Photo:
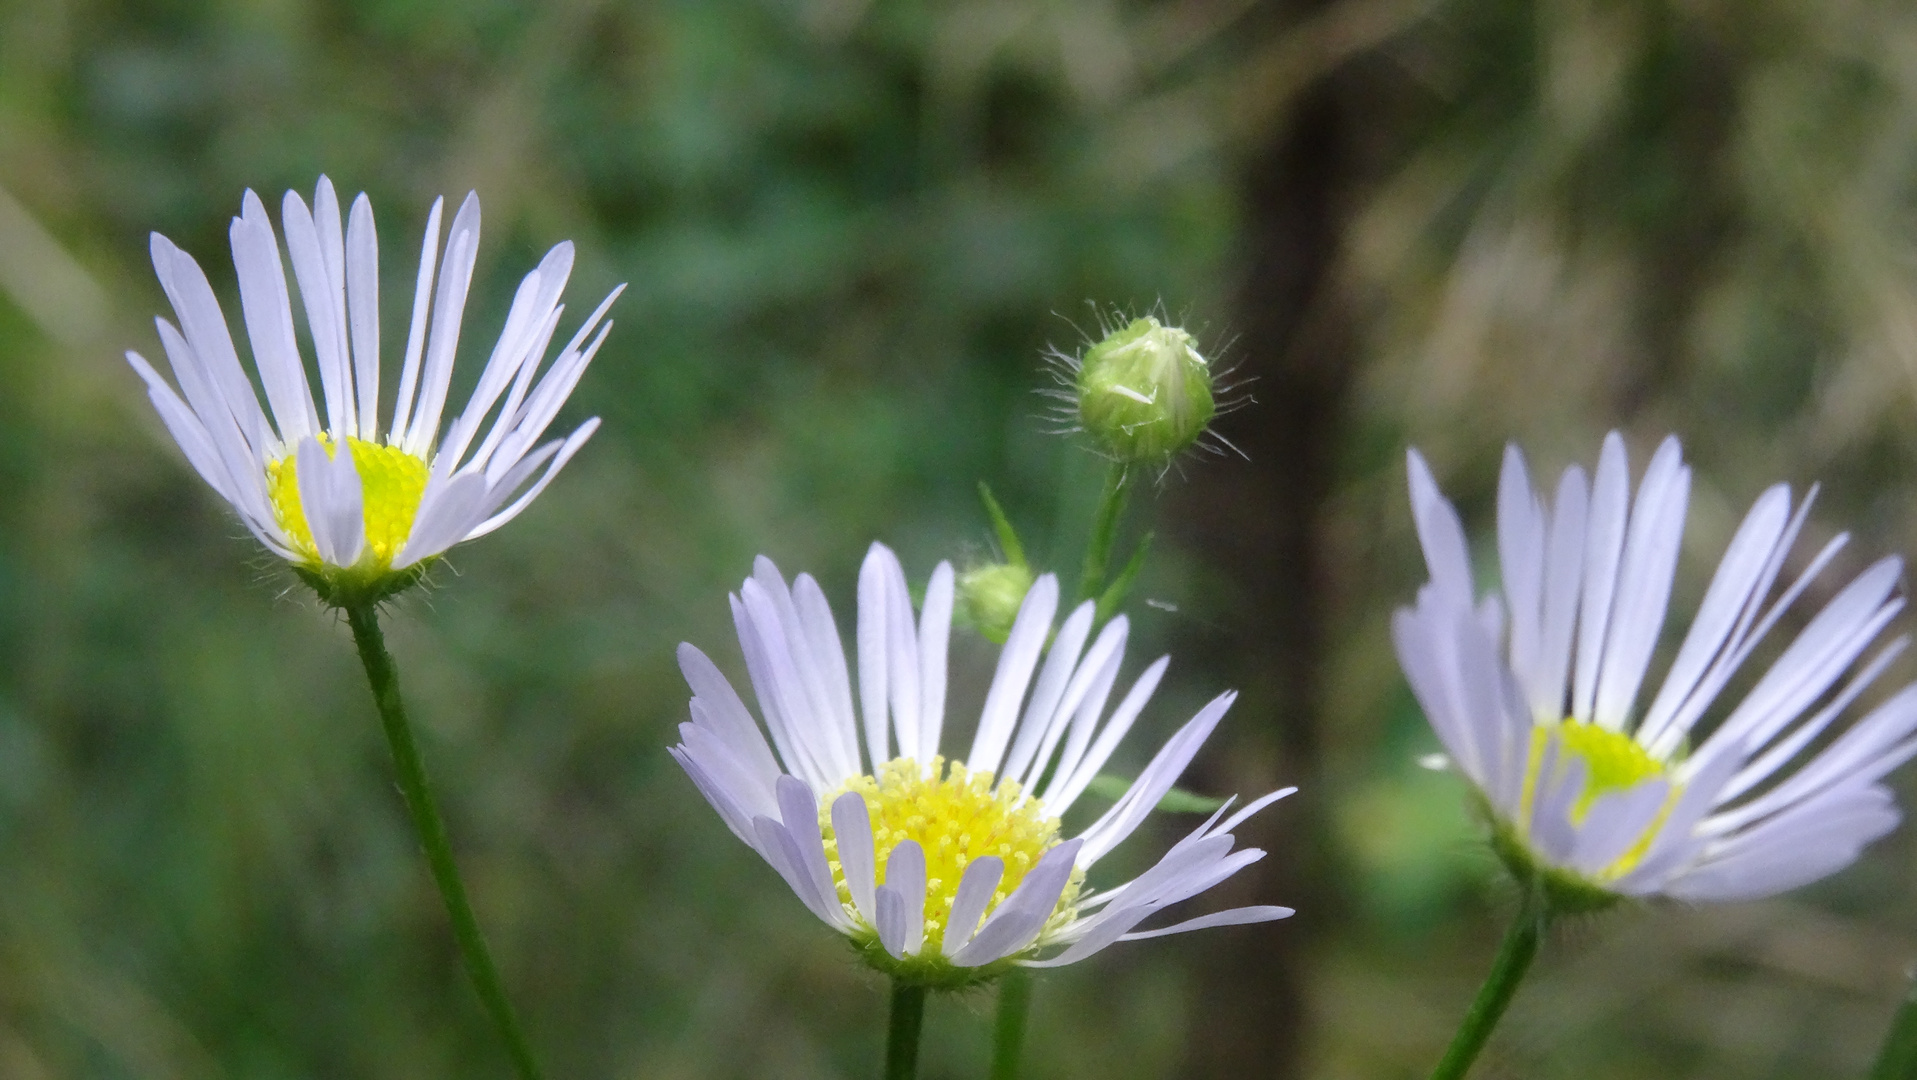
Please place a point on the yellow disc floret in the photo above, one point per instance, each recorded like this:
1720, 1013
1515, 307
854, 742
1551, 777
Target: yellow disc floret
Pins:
957, 816
391, 482
1613, 762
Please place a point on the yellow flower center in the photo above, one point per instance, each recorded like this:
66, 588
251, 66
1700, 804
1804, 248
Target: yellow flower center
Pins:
956, 816
391, 482
1613, 761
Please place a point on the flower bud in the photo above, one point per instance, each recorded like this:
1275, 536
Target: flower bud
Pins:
989, 597
1144, 393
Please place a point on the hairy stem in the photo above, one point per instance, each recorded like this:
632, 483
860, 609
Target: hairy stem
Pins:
1008, 1028
1507, 971
902, 1039
1898, 1058
1098, 553
384, 677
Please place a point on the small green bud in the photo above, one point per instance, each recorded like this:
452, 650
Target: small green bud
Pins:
1144, 393
989, 597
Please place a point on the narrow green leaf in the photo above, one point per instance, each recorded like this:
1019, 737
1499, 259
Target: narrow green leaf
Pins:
1007, 536
1176, 801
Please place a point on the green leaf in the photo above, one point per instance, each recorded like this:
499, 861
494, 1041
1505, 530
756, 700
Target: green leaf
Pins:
1007, 536
1176, 801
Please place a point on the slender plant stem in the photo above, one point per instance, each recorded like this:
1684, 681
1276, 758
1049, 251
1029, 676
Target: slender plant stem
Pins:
902, 1038
1098, 553
1514, 958
384, 678
1008, 1028
1898, 1059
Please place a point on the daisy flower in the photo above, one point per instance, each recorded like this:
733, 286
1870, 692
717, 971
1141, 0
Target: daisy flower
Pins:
1537, 694
944, 872
362, 524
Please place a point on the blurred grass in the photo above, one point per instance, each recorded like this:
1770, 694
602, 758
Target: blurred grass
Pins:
850, 228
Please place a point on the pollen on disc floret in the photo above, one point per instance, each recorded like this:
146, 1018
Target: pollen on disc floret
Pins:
957, 816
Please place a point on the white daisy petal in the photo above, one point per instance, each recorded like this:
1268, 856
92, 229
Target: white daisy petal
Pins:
782, 850
1820, 840
935, 631
361, 516
1441, 534
1158, 777
905, 873
1649, 564
269, 323
1243, 916
527, 321
799, 812
825, 654
1004, 895
781, 691
1603, 551
1018, 920
1615, 823
324, 312
572, 358
1091, 688
416, 332
721, 800
968, 907
1547, 688
1677, 843
362, 306
803, 664
1060, 662
1521, 554
449, 308
902, 660
1014, 674
187, 430
895, 917
1737, 576
874, 604
532, 419
1106, 930
742, 785
727, 713
852, 831
205, 363
1063, 795
1770, 800
446, 515
330, 492
560, 456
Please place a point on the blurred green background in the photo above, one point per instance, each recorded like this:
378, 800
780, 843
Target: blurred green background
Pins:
851, 227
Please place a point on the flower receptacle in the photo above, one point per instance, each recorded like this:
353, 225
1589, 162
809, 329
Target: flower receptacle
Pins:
363, 584
1564, 892
929, 968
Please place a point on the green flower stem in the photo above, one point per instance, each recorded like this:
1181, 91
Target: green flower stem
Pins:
1898, 1059
384, 677
1098, 553
1008, 1029
1514, 958
902, 1039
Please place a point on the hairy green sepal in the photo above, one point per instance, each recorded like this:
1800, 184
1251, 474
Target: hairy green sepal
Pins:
362, 585
933, 972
